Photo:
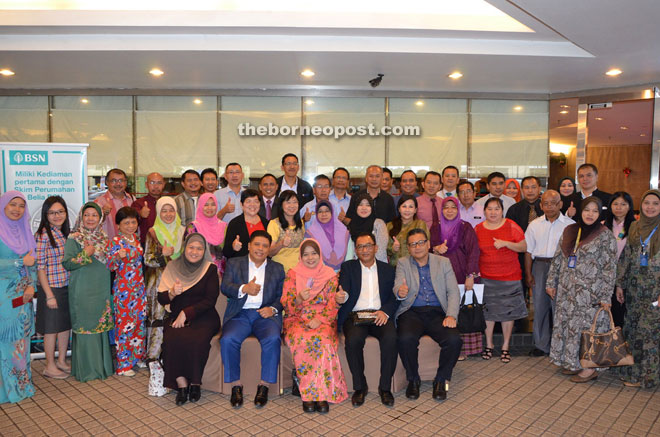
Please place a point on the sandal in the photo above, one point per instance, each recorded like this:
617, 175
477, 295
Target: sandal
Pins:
505, 357
487, 353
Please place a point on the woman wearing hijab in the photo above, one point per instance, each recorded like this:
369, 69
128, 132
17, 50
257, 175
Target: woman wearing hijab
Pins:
190, 286
581, 277
461, 246
365, 221
331, 235
310, 329
89, 295
287, 230
163, 244
638, 273
570, 198
17, 281
398, 228
512, 189
213, 229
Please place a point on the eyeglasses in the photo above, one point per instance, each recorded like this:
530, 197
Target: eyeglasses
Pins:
417, 243
56, 213
322, 186
156, 182
117, 181
367, 246
291, 164
465, 192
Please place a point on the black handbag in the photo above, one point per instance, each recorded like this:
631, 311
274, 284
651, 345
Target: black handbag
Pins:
471, 317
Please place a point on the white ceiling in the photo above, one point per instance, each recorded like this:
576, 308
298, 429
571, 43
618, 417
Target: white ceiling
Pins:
573, 44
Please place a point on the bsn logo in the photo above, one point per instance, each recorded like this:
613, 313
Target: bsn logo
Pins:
19, 157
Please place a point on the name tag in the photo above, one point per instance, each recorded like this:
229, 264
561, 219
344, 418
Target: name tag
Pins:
572, 260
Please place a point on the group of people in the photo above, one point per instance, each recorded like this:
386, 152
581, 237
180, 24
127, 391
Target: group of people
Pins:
303, 263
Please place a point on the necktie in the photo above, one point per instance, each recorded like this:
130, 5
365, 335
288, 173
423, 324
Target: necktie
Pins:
268, 209
449, 194
435, 224
532, 214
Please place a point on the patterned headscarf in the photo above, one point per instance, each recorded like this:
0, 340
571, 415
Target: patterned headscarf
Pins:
642, 229
96, 237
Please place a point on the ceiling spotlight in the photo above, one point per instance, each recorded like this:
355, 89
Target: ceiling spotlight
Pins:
307, 73
456, 75
599, 118
517, 108
564, 106
642, 135
614, 72
623, 127
197, 101
309, 102
156, 72
84, 101
376, 80
7, 72
563, 112
419, 103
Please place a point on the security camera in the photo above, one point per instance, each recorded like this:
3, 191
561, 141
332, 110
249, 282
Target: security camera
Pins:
376, 80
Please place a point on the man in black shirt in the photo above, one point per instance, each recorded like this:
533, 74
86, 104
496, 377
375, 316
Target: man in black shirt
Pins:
383, 202
529, 207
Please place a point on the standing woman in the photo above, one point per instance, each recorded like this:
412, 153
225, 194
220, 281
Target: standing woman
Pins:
17, 279
331, 235
512, 189
90, 302
638, 274
366, 221
53, 320
287, 231
125, 258
163, 244
398, 228
310, 329
500, 241
581, 277
211, 227
570, 198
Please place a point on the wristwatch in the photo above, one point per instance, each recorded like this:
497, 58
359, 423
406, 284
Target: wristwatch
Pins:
275, 312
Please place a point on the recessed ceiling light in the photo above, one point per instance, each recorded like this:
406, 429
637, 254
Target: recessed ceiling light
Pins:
156, 72
7, 72
307, 73
517, 108
623, 127
309, 102
614, 72
599, 118
642, 135
419, 103
84, 101
456, 75
197, 101
563, 112
564, 106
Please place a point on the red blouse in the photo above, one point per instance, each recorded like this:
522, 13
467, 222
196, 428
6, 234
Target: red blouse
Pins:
256, 227
499, 264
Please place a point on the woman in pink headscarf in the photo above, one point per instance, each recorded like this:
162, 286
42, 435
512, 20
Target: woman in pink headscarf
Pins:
310, 329
331, 235
207, 223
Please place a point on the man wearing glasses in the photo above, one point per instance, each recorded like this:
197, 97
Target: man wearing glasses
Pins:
469, 210
114, 199
321, 192
229, 197
426, 287
291, 181
146, 206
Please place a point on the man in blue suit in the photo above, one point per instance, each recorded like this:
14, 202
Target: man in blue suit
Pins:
365, 289
253, 286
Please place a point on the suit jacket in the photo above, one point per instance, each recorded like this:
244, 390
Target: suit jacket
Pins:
603, 196
519, 212
442, 277
274, 208
238, 227
236, 274
350, 279
305, 191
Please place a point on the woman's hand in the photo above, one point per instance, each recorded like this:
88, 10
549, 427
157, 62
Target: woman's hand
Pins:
619, 295
51, 302
469, 283
178, 288
236, 244
180, 320
314, 323
441, 249
28, 259
552, 292
571, 211
28, 294
304, 295
168, 250
395, 245
606, 305
500, 243
89, 249
286, 241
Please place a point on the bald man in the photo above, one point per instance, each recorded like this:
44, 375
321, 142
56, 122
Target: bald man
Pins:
383, 202
542, 238
146, 206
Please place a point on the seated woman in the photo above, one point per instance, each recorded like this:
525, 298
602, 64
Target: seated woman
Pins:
310, 329
399, 227
287, 230
211, 227
366, 221
512, 189
190, 286
331, 234
240, 228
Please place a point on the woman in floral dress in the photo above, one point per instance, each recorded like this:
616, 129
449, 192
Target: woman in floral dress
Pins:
310, 328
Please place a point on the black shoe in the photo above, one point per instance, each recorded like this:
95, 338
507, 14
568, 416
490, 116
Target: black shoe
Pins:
261, 397
181, 395
322, 407
412, 392
386, 397
309, 407
439, 391
195, 393
536, 352
236, 399
358, 397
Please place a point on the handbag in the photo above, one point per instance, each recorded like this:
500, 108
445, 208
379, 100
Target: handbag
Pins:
363, 317
608, 349
471, 316
156, 378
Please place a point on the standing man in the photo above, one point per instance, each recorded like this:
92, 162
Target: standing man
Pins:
429, 207
114, 199
383, 202
408, 186
291, 181
529, 208
588, 180
268, 192
449, 182
186, 202
209, 180
426, 286
253, 286
229, 197
495, 187
542, 237
469, 210
365, 286
339, 196
387, 184
146, 206
321, 192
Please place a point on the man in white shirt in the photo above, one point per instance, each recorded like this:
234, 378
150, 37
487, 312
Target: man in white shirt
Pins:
229, 197
253, 285
339, 196
469, 210
449, 182
495, 187
542, 238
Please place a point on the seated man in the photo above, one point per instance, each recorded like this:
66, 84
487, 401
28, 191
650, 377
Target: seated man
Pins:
367, 285
253, 286
426, 286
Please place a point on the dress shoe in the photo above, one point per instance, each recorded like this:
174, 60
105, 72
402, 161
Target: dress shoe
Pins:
439, 391
412, 392
194, 393
261, 398
386, 397
580, 379
322, 407
569, 372
236, 399
181, 395
358, 397
536, 352
309, 406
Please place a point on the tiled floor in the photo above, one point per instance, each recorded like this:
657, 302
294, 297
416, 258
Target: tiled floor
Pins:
526, 397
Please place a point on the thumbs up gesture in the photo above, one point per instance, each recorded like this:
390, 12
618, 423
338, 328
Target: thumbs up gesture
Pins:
230, 207
237, 245
106, 208
252, 288
144, 212
395, 245
441, 248
571, 210
168, 250
341, 296
304, 295
403, 289
342, 215
28, 259
308, 216
286, 241
178, 288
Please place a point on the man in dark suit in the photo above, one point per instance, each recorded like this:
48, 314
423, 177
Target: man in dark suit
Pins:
588, 179
291, 181
268, 192
253, 286
365, 288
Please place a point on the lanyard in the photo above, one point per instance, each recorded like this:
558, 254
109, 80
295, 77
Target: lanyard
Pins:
648, 239
577, 241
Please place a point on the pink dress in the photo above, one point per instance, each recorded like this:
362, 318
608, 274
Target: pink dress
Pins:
314, 351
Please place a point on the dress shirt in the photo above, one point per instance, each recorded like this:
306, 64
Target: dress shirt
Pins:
473, 215
426, 295
424, 211
286, 186
369, 298
186, 206
272, 204
444, 193
338, 203
542, 236
109, 225
223, 195
254, 302
506, 200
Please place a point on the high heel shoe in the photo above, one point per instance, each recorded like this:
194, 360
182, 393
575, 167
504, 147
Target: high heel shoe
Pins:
181, 395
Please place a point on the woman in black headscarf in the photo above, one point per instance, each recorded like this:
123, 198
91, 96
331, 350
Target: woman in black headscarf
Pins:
365, 221
570, 198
